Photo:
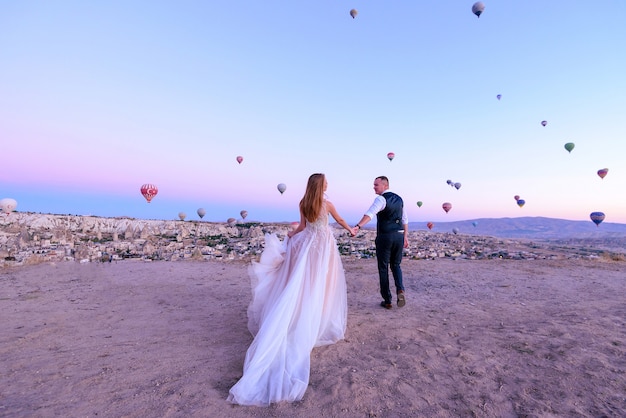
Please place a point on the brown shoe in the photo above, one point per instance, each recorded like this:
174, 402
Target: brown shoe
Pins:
401, 299
385, 305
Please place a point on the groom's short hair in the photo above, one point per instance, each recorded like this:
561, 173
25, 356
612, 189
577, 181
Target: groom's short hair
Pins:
384, 179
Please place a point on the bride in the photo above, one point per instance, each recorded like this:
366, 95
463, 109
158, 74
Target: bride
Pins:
298, 302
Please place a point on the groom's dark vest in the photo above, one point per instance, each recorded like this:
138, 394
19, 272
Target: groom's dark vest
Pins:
390, 219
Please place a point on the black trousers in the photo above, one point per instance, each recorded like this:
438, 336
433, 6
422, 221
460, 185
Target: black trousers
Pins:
389, 255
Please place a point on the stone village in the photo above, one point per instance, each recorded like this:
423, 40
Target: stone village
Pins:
31, 238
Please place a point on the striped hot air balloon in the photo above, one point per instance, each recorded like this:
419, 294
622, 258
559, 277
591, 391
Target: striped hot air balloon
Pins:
149, 191
597, 217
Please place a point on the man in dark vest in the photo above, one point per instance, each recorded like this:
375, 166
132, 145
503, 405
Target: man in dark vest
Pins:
392, 235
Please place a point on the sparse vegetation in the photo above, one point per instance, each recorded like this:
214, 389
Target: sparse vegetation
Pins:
344, 249
215, 240
169, 237
248, 225
611, 256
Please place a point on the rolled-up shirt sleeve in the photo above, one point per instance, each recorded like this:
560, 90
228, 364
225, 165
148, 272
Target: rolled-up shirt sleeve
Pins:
405, 218
379, 204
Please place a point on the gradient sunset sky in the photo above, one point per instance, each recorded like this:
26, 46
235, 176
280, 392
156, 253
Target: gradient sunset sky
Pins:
100, 97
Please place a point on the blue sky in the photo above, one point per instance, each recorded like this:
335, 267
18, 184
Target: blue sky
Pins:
100, 97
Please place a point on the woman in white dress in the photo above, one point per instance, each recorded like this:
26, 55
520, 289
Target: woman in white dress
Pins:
298, 302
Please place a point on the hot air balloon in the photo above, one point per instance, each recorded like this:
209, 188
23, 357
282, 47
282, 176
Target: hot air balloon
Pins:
419, 203
449, 182
281, 188
521, 202
8, 205
544, 122
499, 96
430, 225
474, 224
231, 221
149, 191
447, 206
569, 146
516, 197
455, 230
182, 215
391, 156
457, 186
597, 217
243, 214
478, 8
201, 212
603, 172
294, 225
239, 159
353, 13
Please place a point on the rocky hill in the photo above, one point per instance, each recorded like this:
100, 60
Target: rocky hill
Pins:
27, 238
529, 227
607, 236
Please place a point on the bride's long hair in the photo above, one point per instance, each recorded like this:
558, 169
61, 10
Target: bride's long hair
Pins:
311, 203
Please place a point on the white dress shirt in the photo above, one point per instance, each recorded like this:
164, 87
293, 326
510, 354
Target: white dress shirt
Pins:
380, 203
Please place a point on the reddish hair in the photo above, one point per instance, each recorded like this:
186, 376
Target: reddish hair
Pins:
311, 203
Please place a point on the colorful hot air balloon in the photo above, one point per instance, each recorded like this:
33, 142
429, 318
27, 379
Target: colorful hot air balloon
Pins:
516, 197
597, 217
544, 122
447, 206
478, 8
569, 146
239, 159
231, 221
521, 202
455, 230
499, 96
449, 183
182, 215
430, 225
201, 212
353, 13
419, 203
391, 156
603, 172
474, 224
243, 214
457, 186
281, 188
8, 205
149, 191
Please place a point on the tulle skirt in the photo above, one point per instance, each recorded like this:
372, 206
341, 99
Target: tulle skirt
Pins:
298, 302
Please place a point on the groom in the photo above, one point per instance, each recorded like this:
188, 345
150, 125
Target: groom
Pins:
392, 235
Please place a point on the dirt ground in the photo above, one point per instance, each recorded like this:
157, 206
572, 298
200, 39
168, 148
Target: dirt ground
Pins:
489, 338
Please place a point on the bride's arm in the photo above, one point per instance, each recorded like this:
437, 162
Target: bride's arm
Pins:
336, 217
300, 227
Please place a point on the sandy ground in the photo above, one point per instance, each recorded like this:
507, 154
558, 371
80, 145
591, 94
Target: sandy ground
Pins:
490, 338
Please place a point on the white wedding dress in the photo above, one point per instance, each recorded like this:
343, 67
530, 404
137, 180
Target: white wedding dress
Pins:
298, 302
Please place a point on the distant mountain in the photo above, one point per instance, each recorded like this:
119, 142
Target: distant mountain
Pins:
529, 227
